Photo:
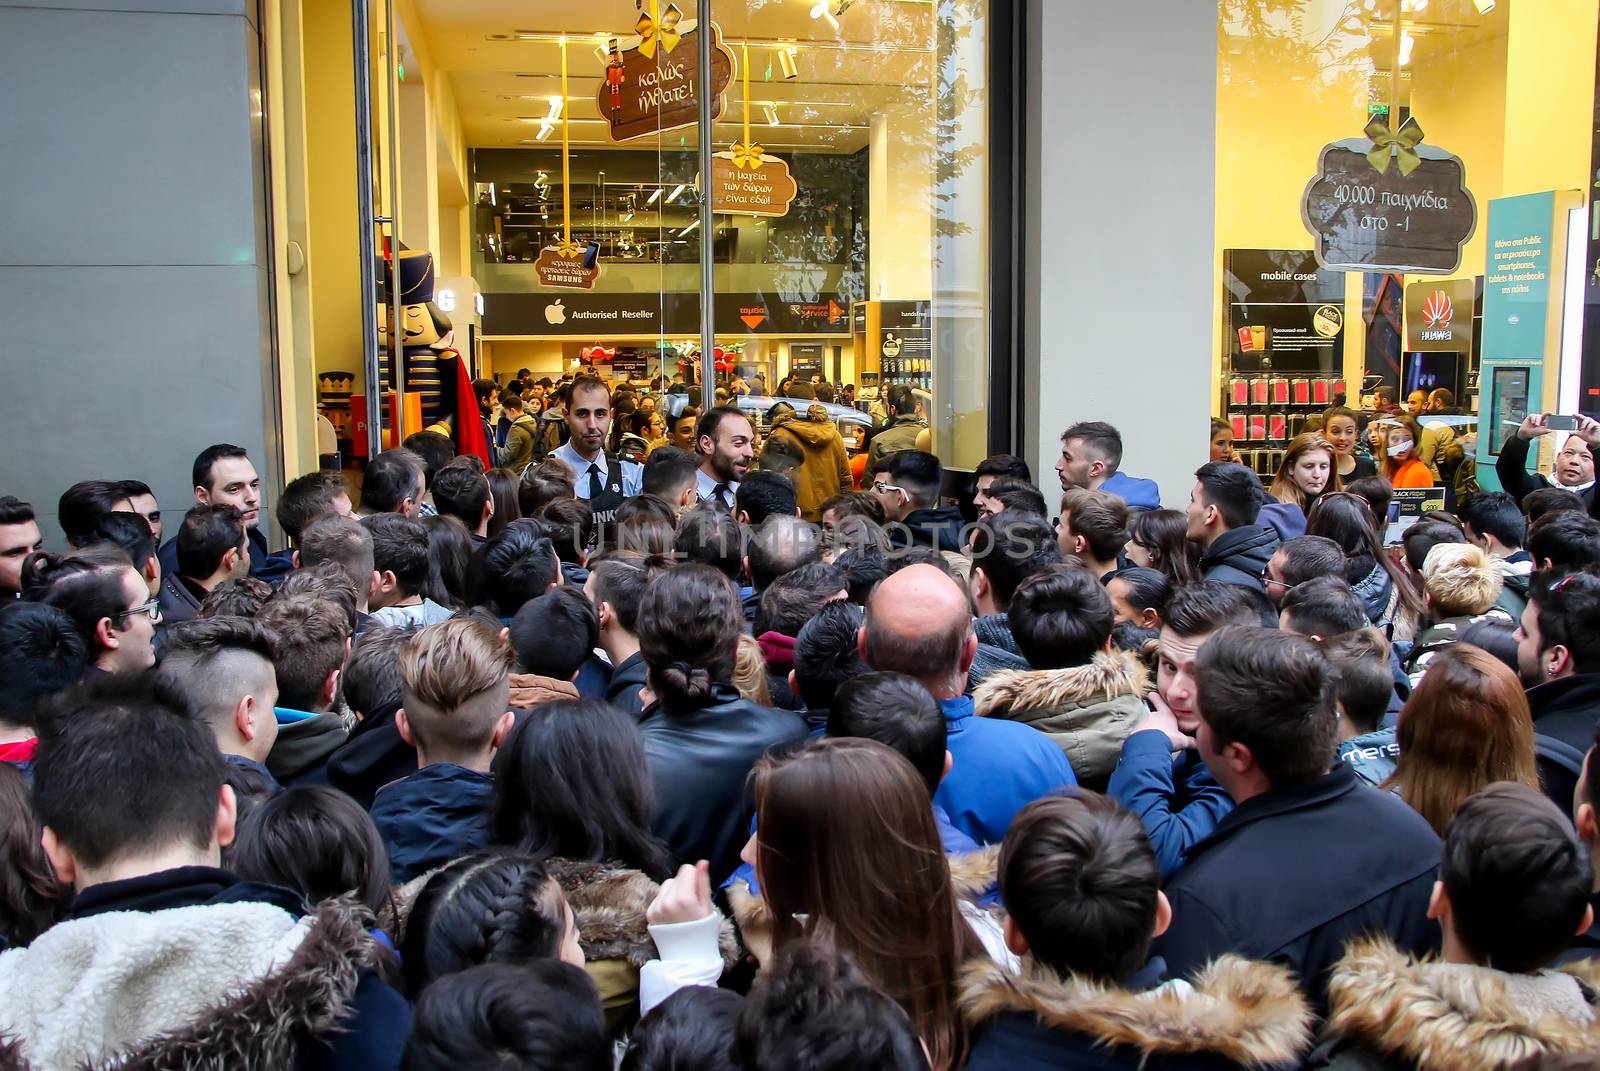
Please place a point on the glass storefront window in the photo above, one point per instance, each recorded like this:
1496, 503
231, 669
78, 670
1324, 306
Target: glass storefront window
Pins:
875, 275
1392, 189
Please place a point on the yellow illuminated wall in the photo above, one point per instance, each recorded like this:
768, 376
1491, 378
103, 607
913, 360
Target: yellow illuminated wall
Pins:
1512, 95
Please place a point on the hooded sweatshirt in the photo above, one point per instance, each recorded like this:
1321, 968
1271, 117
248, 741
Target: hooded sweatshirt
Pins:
1086, 710
825, 464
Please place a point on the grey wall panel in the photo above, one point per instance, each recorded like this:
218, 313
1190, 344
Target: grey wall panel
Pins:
241, 8
125, 139
129, 373
1121, 265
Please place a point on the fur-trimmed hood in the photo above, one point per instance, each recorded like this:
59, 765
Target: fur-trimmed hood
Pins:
608, 906
1248, 1012
1087, 710
235, 985
1452, 1017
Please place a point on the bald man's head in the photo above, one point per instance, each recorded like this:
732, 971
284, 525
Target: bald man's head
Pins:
918, 623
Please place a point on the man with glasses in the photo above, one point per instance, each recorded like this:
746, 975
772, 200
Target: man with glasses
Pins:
907, 483
1298, 560
110, 604
212, 548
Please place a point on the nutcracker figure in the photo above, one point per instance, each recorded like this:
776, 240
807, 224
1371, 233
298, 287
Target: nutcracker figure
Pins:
616, 74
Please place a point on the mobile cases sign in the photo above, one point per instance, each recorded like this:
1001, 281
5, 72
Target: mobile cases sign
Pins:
1413, 215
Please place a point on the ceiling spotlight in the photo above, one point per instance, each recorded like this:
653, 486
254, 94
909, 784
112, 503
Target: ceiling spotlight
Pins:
1483, 6
676, 193
655, 195
545, 130
1407, 43
786, 61
771, 113
555, 109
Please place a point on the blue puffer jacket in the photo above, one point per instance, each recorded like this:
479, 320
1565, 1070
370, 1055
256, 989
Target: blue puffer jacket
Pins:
439, 813
997, 768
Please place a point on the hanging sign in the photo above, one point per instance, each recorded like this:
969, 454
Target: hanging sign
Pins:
573, 272
744, 179
567, 264
653, 85
751, 185
1389, 203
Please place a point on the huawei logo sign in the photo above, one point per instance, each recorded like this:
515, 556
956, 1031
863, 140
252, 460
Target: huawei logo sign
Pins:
1437, 311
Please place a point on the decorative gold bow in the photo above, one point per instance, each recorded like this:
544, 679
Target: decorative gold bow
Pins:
1402, 143
568, 248
747, 156
665, 30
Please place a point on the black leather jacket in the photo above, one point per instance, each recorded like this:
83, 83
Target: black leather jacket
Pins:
699, 760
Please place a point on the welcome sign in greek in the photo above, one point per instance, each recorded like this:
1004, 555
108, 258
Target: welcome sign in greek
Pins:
1367, 220
659, 82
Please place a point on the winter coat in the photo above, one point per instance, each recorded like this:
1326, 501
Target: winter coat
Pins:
699, 761
1373, 586
1176, 798
178, 601
528, 690
1293, 874
1239, 555
427, 612
191, 969
1436, 638
1086, 710
627, 681
521, 439
1565, 713
1387, 1010
1237, 1013
305, 743
608, 904
901, 434
997, 650
1515, 572
938, 527
1137, 493
825, 466
374, 755
997, 768
1512, 468
1284, 518
439, 813
1373, 756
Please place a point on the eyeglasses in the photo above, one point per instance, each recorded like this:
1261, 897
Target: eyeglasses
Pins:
889, 489
151, 609
1266, 579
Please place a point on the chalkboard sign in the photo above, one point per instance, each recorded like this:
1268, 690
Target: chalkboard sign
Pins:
1367, 220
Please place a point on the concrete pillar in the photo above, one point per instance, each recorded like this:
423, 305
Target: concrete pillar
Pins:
1119, 278
133, 250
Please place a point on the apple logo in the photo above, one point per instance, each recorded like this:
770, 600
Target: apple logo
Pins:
556, 313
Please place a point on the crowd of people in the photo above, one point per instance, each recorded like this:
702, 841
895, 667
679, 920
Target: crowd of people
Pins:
585, 761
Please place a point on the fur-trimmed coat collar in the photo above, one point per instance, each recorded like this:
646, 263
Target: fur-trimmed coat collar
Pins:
1451, 1017
608, 906
1247, 1012
1087, 710
236, 985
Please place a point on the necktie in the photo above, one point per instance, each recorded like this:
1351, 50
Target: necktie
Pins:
721, 495
596, 487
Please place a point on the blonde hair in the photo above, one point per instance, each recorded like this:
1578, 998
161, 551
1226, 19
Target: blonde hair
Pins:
750, 672
1460, 580
454, 675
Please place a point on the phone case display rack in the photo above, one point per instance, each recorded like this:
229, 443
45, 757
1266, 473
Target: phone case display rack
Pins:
1267, 409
